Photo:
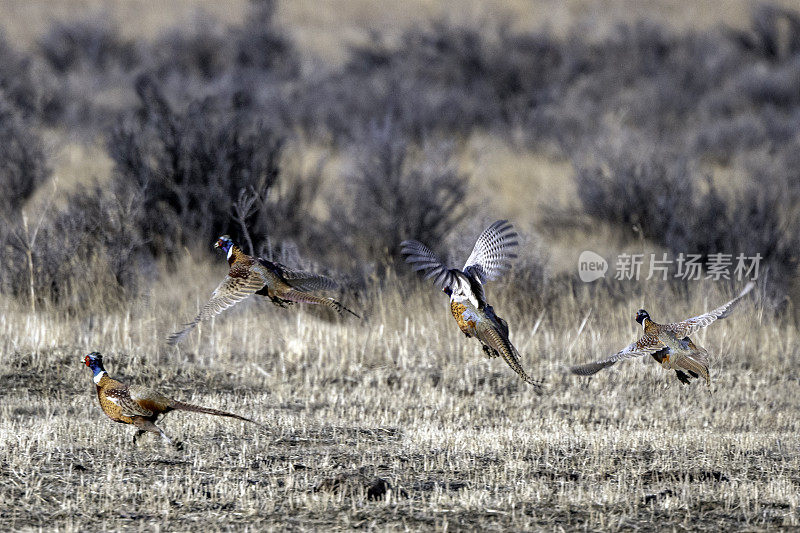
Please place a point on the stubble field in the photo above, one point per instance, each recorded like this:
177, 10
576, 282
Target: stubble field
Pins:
397, 422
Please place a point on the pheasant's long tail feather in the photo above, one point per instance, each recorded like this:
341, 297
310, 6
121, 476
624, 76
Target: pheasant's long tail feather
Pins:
303, 297
511, 356
181, 406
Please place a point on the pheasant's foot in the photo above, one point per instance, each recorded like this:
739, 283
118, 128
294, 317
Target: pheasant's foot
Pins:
139, 433
490, 353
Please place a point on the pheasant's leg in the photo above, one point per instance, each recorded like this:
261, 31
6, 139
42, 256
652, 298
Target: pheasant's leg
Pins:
278, 302
145, 425
665, 362
139, 433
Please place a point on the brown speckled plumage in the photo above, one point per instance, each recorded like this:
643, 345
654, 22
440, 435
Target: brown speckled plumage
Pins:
669, 344
137, 405
490, 257
248, 276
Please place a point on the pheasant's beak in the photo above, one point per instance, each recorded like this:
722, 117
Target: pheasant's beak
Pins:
217, 244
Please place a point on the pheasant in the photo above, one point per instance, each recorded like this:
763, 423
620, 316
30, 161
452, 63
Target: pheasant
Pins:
137, 405
669, 344
249, 275
475, 317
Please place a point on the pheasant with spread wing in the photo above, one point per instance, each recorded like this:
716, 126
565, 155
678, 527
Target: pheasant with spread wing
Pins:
249, 275
670, 344
489, 259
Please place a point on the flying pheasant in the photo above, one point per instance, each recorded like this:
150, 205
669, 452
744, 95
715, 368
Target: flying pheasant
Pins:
249, 275
139, 406
669, 344
475, 317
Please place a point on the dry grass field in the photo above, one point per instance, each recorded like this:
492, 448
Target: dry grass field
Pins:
396, 421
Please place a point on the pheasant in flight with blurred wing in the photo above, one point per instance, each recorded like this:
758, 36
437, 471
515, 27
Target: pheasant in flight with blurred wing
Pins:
489, 259
139, 406
248, 275
669, 344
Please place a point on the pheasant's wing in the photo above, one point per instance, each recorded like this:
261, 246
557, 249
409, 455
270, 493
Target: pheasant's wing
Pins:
128, 406
493, 338
231, 291
420, 257
149, 399
307, 281
592, 368
687, 327
647, 345
492, 253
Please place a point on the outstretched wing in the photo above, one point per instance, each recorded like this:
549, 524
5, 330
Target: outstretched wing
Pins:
687, 327
231, 291
304, 281
492, 253
647, 345
420, 257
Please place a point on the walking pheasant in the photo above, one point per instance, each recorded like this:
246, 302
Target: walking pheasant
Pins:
249, 275
475, 317
669, 344
139, 406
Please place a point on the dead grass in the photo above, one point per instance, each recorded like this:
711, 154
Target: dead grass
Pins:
397, 421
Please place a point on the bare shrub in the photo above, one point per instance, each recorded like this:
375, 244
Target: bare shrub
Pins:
442, 78
774, 33
210, 52
87, 44
660, 192
23, 165
204, 52
632, 182
189, 166
89, 252
262, 45
397, 192
27, 86
209, 168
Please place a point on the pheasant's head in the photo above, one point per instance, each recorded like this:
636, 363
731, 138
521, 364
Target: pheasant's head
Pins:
641, 315
225, 243
94, 361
